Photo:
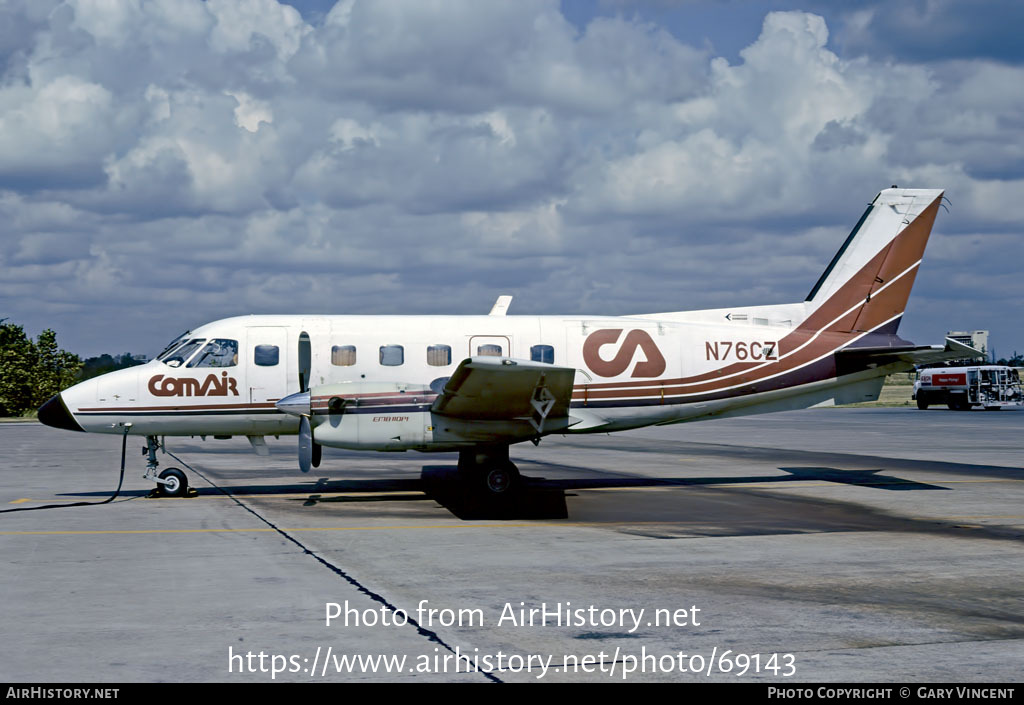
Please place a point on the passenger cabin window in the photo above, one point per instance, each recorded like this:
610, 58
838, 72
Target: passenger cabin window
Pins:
266, 355
219, 352
178, 357
392, 355
492, 350
343, 355
439, 355
543, 353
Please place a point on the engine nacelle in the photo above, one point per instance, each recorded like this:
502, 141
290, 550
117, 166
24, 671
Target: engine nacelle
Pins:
372, 415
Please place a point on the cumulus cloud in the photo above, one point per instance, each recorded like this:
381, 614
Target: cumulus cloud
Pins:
168, 162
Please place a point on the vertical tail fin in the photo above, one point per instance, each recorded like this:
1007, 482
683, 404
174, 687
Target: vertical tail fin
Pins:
868, 281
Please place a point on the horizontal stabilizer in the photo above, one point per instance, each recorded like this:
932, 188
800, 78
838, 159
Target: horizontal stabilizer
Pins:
584, 419
912, 354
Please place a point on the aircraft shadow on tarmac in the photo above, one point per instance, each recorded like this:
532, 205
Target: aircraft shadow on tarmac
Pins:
537, 497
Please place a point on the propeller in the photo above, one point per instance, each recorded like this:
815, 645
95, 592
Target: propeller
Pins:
298, 405
306, 444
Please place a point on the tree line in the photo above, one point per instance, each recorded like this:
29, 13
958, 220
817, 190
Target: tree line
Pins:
1016, 361
32, 371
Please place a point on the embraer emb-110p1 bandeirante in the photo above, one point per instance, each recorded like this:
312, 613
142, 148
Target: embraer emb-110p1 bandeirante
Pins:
478, 384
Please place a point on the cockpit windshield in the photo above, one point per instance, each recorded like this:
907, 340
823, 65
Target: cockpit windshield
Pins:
177, 342
178, 356
219, 352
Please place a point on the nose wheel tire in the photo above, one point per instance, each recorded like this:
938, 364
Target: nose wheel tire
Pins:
175, 483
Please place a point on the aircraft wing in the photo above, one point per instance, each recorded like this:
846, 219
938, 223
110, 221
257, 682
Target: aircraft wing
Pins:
911, 354
486, 388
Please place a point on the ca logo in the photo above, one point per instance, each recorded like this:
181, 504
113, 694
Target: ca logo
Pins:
653, 366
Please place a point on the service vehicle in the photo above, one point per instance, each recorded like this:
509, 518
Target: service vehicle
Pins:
962, 388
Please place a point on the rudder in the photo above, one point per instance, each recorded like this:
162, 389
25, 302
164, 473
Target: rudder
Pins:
869, 279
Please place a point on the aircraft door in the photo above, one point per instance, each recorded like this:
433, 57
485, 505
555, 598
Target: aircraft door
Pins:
266, 363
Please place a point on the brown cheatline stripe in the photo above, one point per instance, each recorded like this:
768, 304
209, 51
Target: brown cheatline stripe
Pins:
804, 332
408, 393
181, 407
890, 261
902, 253
833, 338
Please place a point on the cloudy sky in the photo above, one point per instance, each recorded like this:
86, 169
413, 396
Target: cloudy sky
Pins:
164, 163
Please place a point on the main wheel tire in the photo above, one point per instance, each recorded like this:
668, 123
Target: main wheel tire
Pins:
500, 479
176, 485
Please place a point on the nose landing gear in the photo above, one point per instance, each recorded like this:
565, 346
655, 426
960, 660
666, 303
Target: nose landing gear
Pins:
171, 482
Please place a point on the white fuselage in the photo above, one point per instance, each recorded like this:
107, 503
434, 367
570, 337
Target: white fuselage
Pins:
630, 371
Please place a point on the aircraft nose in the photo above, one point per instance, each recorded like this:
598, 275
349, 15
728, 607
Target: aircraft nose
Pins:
55, 413
296, 404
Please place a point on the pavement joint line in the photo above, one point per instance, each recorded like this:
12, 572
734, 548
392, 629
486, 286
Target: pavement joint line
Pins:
429, 634
467, 526
227, 494
909, 644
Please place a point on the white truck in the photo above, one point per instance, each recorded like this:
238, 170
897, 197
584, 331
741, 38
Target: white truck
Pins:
960, 388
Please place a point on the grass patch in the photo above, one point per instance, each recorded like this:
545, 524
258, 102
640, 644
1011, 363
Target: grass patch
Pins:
891, 395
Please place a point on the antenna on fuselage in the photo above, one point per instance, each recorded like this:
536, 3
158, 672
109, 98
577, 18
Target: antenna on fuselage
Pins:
500, 307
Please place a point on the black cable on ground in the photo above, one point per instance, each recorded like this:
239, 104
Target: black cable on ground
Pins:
111, 498
430, 635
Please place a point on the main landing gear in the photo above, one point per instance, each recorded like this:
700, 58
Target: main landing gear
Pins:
171, 482
489, 472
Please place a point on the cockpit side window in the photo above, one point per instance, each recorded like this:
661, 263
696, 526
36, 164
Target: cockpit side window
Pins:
177, 358
219, 352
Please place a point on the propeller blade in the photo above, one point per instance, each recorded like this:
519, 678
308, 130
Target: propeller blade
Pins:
305, 444
317, 454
